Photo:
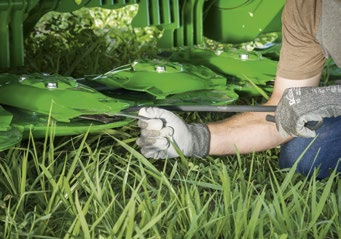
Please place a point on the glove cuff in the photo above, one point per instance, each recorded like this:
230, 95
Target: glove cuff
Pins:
201, 138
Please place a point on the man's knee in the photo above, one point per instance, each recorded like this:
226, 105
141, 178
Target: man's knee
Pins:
322, 153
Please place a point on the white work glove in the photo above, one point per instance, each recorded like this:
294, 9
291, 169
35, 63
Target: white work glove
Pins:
298, 106
164, 127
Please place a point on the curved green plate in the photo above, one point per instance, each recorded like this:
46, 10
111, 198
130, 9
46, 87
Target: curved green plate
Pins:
60, 97
162, 78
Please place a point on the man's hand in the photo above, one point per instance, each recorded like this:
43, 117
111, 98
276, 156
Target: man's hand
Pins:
298, 106
164, 127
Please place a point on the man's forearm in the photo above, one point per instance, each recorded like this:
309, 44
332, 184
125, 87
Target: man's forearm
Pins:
245, 133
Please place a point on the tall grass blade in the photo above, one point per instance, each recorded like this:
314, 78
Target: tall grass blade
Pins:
81, 217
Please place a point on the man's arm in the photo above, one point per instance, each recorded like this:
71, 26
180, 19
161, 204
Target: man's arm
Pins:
164, 132
250, 132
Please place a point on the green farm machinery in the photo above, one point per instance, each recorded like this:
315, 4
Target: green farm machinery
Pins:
35, 103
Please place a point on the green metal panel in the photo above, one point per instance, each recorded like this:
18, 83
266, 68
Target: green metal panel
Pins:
5, 11
9, 136
157, 13
242, 65
16, 25
239, 63
5, 119
162, 78
12, 16
72, 5
61, 98
190, 30
202, 97
11, 32
27, 122
237, 21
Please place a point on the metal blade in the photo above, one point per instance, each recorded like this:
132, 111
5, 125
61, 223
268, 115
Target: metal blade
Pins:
210, 108
108, 119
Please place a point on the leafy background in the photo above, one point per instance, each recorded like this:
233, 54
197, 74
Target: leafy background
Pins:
88, 42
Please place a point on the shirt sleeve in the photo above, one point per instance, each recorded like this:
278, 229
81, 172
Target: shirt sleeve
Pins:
301, 56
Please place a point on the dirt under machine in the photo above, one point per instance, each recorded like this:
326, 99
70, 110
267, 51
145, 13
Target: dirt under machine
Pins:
35, 103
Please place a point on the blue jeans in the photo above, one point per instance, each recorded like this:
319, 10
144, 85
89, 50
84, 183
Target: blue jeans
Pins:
324, 153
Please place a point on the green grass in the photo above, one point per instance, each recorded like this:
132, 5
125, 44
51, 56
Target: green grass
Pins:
100, 186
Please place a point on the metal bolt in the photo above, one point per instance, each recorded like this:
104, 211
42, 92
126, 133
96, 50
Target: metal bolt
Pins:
51, 85
244, 57
160, 69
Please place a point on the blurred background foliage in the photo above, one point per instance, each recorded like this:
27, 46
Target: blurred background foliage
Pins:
87, 41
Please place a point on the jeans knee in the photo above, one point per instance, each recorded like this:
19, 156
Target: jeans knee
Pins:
289, 157
322, 153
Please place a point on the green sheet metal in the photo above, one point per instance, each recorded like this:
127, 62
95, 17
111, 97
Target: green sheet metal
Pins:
272, 52
239, 63
205, 97
162, 78
25, 123
9, 136
157, 13
39, 125
236, 21
189, 31
201, 97
41, 104
60, 97
5, 119
12, 14
244, 66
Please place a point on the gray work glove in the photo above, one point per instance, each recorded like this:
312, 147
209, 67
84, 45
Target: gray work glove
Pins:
164, 127
298, 106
